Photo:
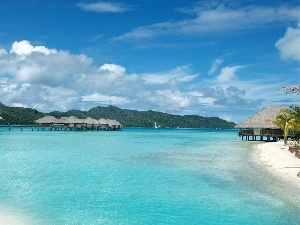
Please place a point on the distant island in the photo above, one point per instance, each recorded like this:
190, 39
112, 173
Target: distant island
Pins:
127, 117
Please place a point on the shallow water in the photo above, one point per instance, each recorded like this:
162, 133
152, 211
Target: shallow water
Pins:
139, 176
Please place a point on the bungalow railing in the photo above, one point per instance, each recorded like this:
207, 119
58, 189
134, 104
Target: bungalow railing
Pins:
246, 132
271, 132
261, 132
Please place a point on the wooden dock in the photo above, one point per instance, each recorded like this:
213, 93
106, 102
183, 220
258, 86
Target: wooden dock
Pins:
54, 128
258, 127
260, 134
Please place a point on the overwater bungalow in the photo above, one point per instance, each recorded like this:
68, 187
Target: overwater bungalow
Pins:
47, 121
90, 123
113, 124
73, 123
103, 124
258, 128
70, 122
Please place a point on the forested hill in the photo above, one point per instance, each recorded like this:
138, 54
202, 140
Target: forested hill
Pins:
18, 115
127, 117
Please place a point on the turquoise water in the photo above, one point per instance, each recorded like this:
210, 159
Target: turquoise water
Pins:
139, 176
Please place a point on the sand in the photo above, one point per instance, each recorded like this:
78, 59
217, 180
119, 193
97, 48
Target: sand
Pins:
279, 161
10, 216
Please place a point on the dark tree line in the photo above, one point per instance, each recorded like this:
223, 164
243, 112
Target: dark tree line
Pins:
127, 117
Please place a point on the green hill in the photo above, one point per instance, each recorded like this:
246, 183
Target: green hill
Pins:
18, 115
127, 117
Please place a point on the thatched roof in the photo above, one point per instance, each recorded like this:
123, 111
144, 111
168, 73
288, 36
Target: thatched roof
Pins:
90, 120
63, 119
47, 120
116, 123
70, 120
110, 123
75, 120
259, 120
102, 121
113, 123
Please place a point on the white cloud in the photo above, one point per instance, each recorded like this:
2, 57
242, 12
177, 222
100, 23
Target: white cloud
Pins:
19, 105
215, 19
61, 81
228, 73
181, 74
171, 99
227, 118
31, 74
42, 98
25, 48
3, 52
111, 79
38, 64
105, 99
104, 7
289, 44
215, 66
228, 96
113, 68
56, 98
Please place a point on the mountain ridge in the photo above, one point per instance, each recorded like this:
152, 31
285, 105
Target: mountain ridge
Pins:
127, 117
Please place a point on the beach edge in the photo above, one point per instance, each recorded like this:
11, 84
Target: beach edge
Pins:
278, 160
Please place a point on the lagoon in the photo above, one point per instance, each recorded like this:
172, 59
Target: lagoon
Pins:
139, 176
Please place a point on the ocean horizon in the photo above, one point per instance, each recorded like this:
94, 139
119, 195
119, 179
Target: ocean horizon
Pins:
139, 176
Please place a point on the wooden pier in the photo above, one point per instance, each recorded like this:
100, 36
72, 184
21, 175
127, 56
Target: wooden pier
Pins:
257, 127
50, 123
260, 134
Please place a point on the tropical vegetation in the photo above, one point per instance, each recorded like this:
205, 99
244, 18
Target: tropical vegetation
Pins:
127, 117
292, 90
289, 121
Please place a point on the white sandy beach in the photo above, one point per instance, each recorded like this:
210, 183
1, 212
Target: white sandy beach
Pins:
11, 218
279, 160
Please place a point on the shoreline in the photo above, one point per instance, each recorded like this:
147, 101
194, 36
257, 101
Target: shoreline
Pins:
278, 160
9, 216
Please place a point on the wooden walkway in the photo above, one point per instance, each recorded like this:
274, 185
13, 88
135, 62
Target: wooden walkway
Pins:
57, 128
260, 134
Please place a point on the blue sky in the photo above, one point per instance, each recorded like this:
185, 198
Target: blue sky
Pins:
209, 58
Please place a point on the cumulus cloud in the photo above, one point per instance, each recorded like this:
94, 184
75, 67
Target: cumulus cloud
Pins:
113, 69
49, 79
25, 48
227, 96
289, 44
172, 99
215, 18
105, 99
38, 64
180, 74
2, 52
228, 73
210, 91
42, 98
104, 7
110, 79
237, 101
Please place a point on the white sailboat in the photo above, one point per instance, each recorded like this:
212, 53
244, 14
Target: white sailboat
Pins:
155, 126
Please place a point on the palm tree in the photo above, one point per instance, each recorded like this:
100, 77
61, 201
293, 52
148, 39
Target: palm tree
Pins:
292, 90
295, 120
283, 122
288, 121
